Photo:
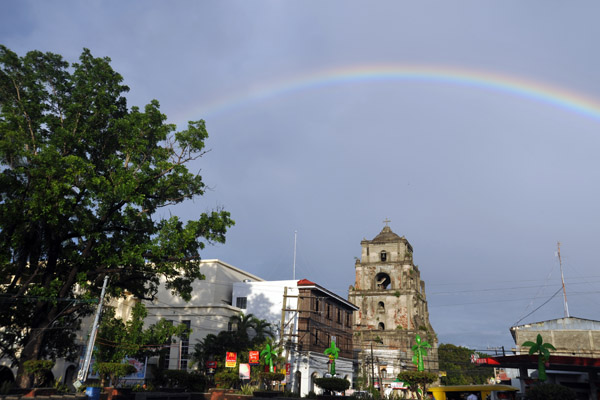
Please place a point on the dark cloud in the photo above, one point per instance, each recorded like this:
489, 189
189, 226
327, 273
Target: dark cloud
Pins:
483, 183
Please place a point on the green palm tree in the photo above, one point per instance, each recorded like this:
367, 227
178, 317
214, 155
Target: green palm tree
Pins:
263, 330
543, 351
243, 323
420, 351
332, 351
268, 354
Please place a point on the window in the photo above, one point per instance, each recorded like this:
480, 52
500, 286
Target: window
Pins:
381, 307
317, 305
382, 281
316, 337
328, 311
383, 373
229, 327
347, 319
383, 255
381, 326
339, 315
185, 346
241, 302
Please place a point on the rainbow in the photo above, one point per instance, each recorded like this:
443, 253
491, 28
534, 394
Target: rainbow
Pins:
555, 96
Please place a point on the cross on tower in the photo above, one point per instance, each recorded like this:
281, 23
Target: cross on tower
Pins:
386, 221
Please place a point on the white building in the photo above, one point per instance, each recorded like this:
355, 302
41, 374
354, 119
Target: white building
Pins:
208, 311
307, 317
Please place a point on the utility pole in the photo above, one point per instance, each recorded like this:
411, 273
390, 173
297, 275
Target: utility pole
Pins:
372, 367
83, 372
283, 309
294, 267
562, 277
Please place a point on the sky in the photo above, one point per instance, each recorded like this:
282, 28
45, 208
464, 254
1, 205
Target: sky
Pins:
472, 126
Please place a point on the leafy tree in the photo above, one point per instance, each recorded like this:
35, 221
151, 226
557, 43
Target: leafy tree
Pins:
40, 369
118, 339
332, 384
543, 350
417, 381
456, 361
244, 325
113, 371
263, 331
250, 333
83, 179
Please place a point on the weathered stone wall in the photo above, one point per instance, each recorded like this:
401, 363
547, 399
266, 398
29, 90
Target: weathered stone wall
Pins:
393, 307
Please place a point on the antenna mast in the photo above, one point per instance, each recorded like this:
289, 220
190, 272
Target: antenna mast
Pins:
562, 277
294, 270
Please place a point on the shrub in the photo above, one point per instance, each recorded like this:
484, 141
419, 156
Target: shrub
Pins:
269, 377
332, 384
227, 378
550, 391
248, 389
189, 381
40, 369
114, 371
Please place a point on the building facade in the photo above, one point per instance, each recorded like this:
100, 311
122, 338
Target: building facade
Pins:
307, 317
208, 311
393, 309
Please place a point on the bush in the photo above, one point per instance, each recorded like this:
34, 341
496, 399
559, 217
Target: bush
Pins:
269, 377
40, 369
189, 381
248, 389
332, 384
550, 391
114, 371
227, 378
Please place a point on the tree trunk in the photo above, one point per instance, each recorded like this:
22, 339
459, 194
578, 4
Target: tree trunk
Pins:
31, 351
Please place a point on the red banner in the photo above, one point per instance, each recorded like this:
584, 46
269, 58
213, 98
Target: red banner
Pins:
254, 358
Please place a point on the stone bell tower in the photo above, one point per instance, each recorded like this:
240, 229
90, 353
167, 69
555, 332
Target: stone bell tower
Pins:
393, 309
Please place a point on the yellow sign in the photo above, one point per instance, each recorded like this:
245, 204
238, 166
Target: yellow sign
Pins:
230, 360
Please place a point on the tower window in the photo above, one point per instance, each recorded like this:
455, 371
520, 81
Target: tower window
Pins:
383, 255
381, 307
381, 326
382, 281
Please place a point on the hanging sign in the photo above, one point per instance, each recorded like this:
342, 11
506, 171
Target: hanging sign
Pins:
244, 371
254, 358
288, 371
230, 359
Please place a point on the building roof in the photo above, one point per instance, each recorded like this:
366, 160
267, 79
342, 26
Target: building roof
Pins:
306, 284
564, 324
387, 236
225, 265
560, 363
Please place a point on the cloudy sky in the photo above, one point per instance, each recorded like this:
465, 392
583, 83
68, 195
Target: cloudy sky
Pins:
473, 126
